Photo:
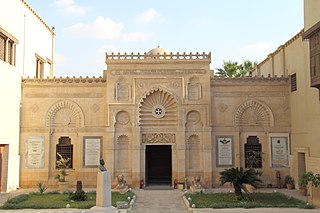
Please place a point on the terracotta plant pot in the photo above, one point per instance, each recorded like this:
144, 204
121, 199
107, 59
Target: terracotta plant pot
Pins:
290, 186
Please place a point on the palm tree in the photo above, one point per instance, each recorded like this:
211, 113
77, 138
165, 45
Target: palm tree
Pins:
233, 69
229, 69
246, 68
238, 177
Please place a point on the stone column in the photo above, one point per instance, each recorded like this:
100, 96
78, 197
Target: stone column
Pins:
103, 199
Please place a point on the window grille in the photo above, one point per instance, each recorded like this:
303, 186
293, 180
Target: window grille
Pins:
65, 149
253, 153
293, 79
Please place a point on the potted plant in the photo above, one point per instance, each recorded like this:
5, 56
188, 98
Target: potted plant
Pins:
289, 181
62, 164
303, 183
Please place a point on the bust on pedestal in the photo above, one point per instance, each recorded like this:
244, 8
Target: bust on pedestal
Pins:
103, 198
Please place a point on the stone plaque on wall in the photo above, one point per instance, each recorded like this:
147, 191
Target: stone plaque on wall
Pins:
224, 150
279, 152
35, 152
92, 151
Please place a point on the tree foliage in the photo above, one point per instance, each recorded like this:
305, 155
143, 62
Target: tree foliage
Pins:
234, 69
238, 177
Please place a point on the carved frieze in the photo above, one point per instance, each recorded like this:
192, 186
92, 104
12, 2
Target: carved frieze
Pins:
173, 83
64, 95
158, 72
158, 138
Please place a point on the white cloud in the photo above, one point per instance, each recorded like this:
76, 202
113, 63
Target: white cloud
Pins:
105, 28
100, 28
137, 36
148, 16
68, 7
259, 46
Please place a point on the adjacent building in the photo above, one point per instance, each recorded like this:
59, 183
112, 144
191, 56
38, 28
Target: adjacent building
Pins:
299, 59
26, 49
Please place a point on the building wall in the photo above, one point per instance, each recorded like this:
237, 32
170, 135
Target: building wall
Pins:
121, 109
311, 14
232, 98
32, 36
304, 102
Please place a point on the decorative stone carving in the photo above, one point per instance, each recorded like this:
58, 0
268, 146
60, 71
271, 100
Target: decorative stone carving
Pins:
64, 95
222, 107
122, 186
68, 80
95, 108
71, 115
193, 117
158, 108
123, 117
158, 138
255, 113
159, 72
170, 56
196, 185
123, 139
194, 139
34, 108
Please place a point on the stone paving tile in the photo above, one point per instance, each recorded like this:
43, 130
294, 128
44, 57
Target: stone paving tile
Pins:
159, 201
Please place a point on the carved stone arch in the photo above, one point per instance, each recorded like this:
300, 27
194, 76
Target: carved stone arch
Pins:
253, 112
158, 88
158, 108
194, 139
65, 113
123, 139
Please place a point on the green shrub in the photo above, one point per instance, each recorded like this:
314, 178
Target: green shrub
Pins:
41, 187
19, 199
78, 196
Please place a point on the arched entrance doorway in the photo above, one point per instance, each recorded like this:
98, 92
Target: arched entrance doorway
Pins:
158, 121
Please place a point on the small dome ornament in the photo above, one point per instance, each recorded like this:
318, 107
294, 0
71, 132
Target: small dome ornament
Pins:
158, 50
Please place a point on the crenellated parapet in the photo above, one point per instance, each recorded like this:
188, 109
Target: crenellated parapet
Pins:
66, 80
159, 56
216, 80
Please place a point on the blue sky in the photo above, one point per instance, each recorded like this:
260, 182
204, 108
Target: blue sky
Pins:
229, 29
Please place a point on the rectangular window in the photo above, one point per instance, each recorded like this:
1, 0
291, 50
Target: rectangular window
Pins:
7, 47
253, 153
39, 66
293, 81
65, 149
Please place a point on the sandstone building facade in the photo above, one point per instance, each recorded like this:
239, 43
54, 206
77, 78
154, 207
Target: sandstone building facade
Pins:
156, 116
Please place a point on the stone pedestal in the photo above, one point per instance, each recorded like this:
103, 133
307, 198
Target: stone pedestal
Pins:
103, 199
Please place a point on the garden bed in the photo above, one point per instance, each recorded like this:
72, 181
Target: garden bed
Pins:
55, 200
254, 200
